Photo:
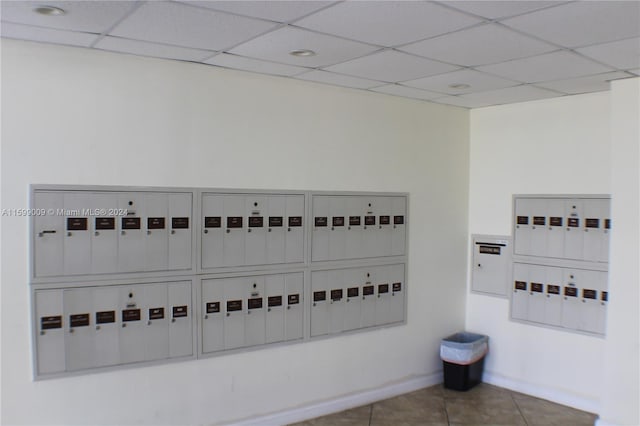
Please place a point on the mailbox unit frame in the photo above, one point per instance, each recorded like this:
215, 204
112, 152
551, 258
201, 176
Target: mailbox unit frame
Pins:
556, 261
197, 274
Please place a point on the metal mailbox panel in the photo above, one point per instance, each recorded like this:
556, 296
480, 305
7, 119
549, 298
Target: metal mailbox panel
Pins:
213, 305
80, 336
132, 332
234, 221
397, 288
520, 296
131, 242
399, 219
105, 316
491, 262
104, 234
294, 315
591, 313
50, 331
295, 229
157, 237
235, 306
275, 222
180, 325
48, 234
180, 223
321, 228
256, 208
574, 234
338, 225
275, 299
77, 237
319, 303
355, 225
255, 323
212, 231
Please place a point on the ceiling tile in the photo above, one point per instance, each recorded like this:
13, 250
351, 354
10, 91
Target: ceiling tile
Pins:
592, 83
391, 66
485, 44
550, 66
387, 23
87, 16
254, 65
144, 48
476, 80
184, 25
338, 79
275, 46
623, 54
510, 94
279, 11
407, 92
46, 35
500, 9
582, 23
460, 102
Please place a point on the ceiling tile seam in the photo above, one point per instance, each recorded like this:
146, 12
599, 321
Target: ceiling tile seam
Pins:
593, 60
157, 43
306, 69
132, 10
420, 89
478, 24
311, 30
246, 40
55, 43
61, 30
607, 42
398, 96
341, 74
223, 12
291, 21
556, 4
535, 37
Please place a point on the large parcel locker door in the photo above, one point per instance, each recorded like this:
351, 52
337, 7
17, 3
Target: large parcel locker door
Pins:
48, 232
104, 235
399, 218
294, 315
591, 314
213, 318
180, 327
131, 242
256, 208
105, 314
321, 229
180, 235
294, 246
50, 323
157, 237
319, 303
213, 231
80, 336
235, 222
274, 294
77, 240
275, 221
337, 236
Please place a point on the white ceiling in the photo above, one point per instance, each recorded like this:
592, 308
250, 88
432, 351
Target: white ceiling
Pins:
464, 53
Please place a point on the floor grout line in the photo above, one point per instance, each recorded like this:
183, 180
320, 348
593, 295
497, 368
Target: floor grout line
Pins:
519, 410
370, 414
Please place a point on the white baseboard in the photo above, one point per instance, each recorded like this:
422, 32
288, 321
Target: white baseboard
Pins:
603, 423
344, 402
550, 394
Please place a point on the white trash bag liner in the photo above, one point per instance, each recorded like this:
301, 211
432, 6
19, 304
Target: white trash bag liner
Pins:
464, 348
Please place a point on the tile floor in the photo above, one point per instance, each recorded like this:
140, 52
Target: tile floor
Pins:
482, 405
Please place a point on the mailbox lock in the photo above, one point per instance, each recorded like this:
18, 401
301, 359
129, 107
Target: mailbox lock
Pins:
255, 204
268, 309
394, 227
42, 332
228, 314
123, 232
148, 232
71, 330
149, 322
173, 320
332, 228
69, 234
479, 265
130, 295
314, 303
288, 229
124, 325
249, 230
130, 203
173, 231
206, 317
347, 300
584, 301
365, 227
533, 227
348, 227
206, 231
548, 296
269, 229
228, 230
97, 327
379, 226
248, 312
255, 285
289, 307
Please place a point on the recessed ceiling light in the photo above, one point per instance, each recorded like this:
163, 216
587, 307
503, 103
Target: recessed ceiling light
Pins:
302, 52
459, 86
49, 11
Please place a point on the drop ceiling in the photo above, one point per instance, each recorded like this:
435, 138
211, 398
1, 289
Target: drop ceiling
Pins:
464, 53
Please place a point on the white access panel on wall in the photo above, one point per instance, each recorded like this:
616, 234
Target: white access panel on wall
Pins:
491, 263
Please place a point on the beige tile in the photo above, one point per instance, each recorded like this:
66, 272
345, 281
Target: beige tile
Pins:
405, 423
496, 411
482, 391
410, 408
540, 412
353, 417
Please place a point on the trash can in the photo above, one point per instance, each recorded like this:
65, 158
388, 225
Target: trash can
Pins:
462, 357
